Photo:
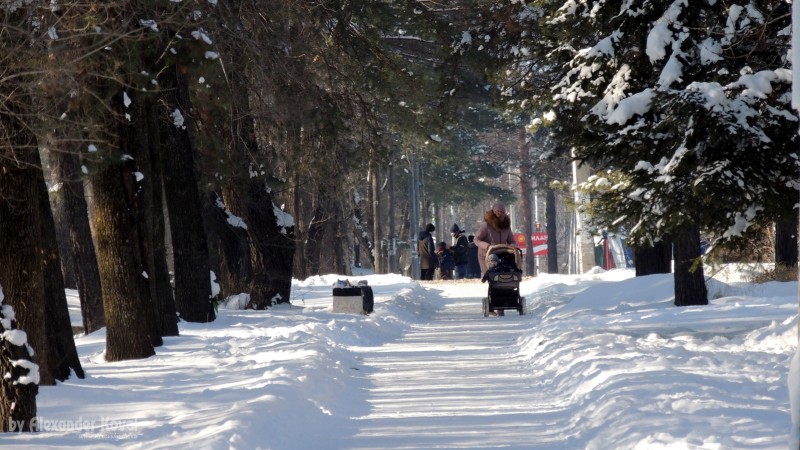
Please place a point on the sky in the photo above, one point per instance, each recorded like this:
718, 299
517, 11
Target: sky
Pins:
600, 361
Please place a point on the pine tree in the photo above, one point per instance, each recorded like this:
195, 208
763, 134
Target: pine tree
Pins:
686, 102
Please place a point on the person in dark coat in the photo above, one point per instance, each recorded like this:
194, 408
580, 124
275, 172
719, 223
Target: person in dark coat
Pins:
460, 249
446, 264
427, 253
473, 268
495, 229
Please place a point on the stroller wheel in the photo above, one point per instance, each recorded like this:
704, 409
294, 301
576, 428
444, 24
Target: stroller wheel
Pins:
523, 309
485, 306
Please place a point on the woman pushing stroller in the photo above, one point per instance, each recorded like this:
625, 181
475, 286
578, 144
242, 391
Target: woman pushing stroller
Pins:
495, 229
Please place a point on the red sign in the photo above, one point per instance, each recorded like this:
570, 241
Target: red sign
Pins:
539, 243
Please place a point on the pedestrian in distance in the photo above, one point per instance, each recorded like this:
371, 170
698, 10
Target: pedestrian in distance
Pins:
427, 253
460, 249
473, 268
446, 264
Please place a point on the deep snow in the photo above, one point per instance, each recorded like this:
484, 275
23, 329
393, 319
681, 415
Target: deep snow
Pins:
602, 361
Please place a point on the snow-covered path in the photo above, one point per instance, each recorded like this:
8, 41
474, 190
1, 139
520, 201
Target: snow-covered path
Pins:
603, 361
454, 382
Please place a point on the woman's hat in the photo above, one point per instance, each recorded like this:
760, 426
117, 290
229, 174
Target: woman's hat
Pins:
455, 229
430, 228
499, 207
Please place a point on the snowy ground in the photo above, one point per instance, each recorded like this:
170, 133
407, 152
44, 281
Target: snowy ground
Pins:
602, 361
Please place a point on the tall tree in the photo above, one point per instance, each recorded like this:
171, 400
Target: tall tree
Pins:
718, 65
527, 199
65, 166
550, 227
126, 294
190, 245
21, 268
687, 100
159, 277
27, 87
690, 285
653, 258
60, 350
786, 240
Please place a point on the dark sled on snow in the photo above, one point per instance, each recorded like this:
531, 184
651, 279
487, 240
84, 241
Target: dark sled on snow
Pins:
504, 275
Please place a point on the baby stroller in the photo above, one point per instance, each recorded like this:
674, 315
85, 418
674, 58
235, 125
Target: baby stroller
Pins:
503, 273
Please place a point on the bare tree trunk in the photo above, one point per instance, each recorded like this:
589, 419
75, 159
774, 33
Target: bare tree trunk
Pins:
272, 249
690, 284
140, 143
125, 290
653, 260
392, 237
166, 314
231, 253
18, 388
189, 242
526, 195
315, 243
271, 236
126, 295
375, 198
786, 240
30, 267
361, 235
303, 232
65, 166
60, 350
339, 232
21, 269
438, 221
552, 239
60, 217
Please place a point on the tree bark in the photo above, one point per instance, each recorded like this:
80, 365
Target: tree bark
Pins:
190, 246
230, 246
690, 285
66, 170
302, 255
786, 241
271, 242
60, 350
21, 268
140, 144
271, 249
394, 265
527, 200
361, 235
18, 388
314, 242
653, 260
166, 315
60, 217
125, 290
115, 188
552, 237
339, 232
375, 209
